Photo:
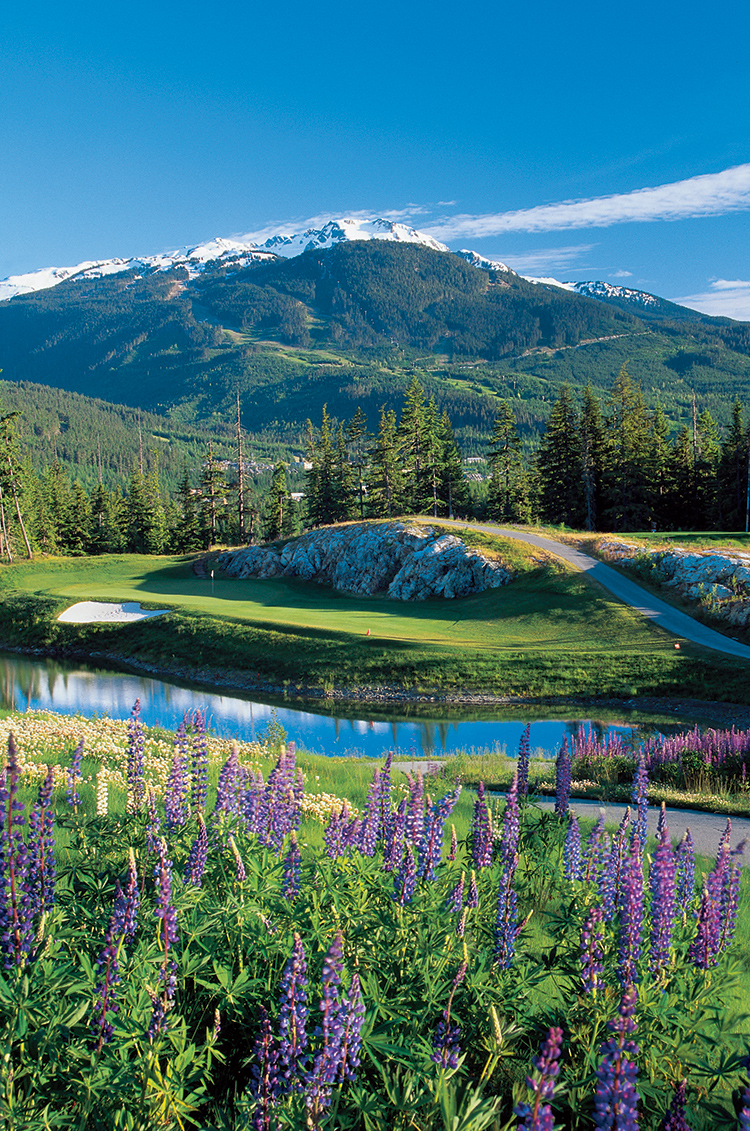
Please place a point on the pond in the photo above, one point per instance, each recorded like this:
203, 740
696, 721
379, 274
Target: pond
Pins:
351, 729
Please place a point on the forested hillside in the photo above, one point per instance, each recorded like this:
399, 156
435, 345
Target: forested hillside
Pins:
349, 327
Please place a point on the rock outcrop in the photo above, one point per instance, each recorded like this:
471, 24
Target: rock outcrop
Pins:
719, 580
405, 561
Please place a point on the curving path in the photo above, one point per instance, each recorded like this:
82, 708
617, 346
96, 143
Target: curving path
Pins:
624, 589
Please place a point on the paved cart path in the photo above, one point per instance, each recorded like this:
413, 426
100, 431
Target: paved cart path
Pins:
625, 590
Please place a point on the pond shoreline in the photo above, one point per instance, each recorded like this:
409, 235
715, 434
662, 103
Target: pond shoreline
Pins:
714, 712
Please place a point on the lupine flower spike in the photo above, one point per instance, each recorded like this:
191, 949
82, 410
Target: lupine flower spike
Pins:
537, 1115
73, 775
445, 1043
675, 1120
616, 1100
168, 938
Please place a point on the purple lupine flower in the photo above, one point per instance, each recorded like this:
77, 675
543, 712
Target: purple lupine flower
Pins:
592, 951
198, 855
264, 1082
639, 800
702, 952
394, 848
730, 899
73, 777
674, 1120
371, 817
292, 881
563, 777
167, 938
472, 895
524, 756
744, 1116
593, 858
354, 1016
333, 832
506, 925
661, 824
293, 1017
511, 830
136, 784
456, 895
16, 925
445, 1042
704, 949
405, 879
572, 850
685, 877
153, 823
327, 1062
175, 797
461, 924
41, 850
631, 914
240, 874
537, 1116
610, 877
198, 726
227, 790
454, 844
122, 927
662, 881
481, 831
414, 825
431, 846
386, 814
616, 1099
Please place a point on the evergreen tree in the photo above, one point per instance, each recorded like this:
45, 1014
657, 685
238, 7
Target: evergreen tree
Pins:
344, 484
591, 432
186, 529
628, 448
359, 438
137, 513
661, 477
707, 471
454, 489
560, 465
276, 517
386, 498
733, 467
415, 446
504, 458
213, 499
321, 485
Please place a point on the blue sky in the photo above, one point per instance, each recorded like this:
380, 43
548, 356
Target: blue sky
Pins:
532, 133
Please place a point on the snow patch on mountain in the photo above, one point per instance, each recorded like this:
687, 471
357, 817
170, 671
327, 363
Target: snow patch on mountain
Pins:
482, 263
237, 252
340, 231
606, 290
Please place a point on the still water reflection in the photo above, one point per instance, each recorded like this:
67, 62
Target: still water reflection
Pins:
48, 684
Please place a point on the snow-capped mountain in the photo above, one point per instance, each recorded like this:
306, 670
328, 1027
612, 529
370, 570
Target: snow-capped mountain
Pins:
482, 263
337, 231
607, 291
238, 252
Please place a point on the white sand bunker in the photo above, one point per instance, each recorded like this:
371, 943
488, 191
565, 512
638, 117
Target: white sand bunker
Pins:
88, 612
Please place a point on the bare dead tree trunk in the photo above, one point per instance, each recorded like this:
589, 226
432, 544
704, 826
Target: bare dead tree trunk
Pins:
6, 540
29, 551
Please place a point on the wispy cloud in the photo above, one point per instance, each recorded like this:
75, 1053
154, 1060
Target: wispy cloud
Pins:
729, 298
712, 194
620, 274
547, 258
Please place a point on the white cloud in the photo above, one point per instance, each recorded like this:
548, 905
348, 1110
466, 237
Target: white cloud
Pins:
546, 258
712, 194
620, 274
728, 298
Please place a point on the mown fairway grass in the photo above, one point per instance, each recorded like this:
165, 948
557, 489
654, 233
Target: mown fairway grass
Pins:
549, 633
